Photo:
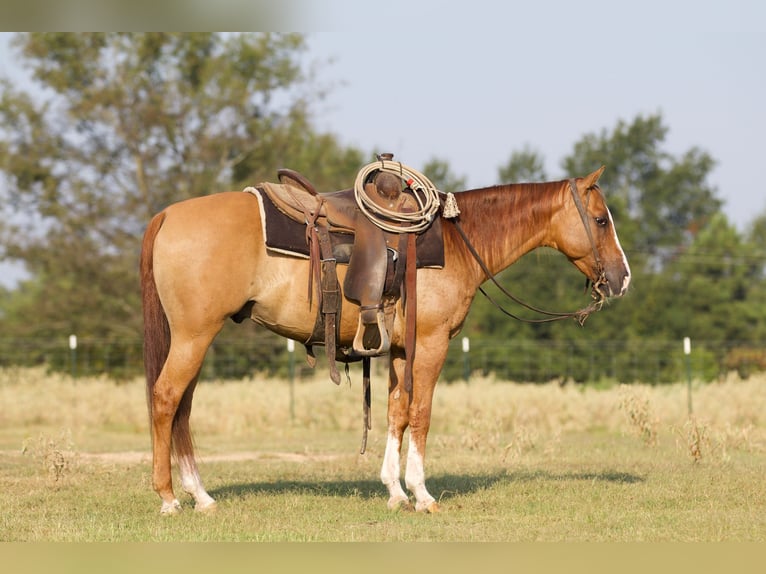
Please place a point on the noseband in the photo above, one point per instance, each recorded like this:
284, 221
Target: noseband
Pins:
596, 293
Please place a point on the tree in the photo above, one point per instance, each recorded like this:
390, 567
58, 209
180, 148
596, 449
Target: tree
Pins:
440, 174
120, 126
659, 201
663, 207
526, 165
756, 235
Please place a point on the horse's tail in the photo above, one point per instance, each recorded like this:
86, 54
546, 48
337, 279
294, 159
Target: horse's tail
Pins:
156, 328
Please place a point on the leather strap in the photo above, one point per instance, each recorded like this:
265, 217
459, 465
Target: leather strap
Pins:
581, 315
314, 252
400, 265
410, 311
329, 301
584, 216
366, 402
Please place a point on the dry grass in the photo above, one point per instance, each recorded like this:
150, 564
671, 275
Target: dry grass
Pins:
509, 461
484, 415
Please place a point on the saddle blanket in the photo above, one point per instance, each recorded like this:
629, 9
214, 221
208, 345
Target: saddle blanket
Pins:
287, 236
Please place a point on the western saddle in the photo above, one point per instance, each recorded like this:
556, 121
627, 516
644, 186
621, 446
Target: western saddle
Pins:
382, 262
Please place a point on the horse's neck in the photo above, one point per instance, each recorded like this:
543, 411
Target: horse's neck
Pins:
504, 222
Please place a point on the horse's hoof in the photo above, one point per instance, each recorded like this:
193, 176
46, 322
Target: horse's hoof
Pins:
170, 508
428, 507
400, 505
206, 508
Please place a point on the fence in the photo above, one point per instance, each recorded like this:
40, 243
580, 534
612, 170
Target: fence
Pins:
647, 361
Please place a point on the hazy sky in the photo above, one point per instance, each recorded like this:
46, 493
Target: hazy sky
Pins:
470, 82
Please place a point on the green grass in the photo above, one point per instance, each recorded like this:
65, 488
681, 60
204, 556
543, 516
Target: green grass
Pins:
508, 463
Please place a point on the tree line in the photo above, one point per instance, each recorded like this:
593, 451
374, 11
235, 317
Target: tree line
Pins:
120, 125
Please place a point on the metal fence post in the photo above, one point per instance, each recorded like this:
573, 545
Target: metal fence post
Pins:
466, 359
291, 375
73, 355
687, 352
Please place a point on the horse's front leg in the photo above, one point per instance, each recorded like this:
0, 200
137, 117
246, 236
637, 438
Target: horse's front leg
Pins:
417, 414
398, 419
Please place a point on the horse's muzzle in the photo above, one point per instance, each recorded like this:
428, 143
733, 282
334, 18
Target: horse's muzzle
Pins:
617, 282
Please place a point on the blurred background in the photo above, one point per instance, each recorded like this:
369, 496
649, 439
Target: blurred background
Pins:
99, 131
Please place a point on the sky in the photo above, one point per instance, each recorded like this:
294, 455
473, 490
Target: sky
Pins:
472, 82
543, 74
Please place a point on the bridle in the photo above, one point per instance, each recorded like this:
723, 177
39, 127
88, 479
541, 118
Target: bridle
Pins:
582, 210
599, 297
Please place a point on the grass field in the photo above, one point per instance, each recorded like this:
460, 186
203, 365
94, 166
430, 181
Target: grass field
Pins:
508, 462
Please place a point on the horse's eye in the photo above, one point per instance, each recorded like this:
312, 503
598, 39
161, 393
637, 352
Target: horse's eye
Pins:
601, 221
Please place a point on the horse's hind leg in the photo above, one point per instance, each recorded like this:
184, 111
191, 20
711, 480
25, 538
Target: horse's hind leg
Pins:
171, 405
183, 447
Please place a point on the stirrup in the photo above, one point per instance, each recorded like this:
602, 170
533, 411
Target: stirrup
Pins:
371, 333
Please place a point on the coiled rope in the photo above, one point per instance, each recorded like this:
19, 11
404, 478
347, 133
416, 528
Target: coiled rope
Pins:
426, 195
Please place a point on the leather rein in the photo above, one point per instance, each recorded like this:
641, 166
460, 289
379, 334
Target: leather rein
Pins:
596, 293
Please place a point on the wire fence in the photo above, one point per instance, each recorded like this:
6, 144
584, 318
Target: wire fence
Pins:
647, 361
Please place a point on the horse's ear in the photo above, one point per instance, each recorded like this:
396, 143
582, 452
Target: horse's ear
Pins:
592, 179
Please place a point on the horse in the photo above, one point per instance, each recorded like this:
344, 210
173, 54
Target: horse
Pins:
203, 260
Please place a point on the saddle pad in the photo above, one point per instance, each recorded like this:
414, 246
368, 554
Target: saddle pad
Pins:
286, 236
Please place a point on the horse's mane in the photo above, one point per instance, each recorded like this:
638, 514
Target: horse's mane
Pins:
499, 213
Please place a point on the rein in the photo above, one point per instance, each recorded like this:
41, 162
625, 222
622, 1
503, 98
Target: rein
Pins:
581, 315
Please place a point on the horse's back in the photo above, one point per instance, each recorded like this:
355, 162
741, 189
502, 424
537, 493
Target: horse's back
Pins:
227, 207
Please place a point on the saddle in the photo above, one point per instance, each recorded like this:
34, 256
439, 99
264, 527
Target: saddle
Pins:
381, 264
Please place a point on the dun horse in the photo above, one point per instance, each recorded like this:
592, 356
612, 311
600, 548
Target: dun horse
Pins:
204, 261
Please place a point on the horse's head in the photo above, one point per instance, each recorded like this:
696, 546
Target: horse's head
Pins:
585, 233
